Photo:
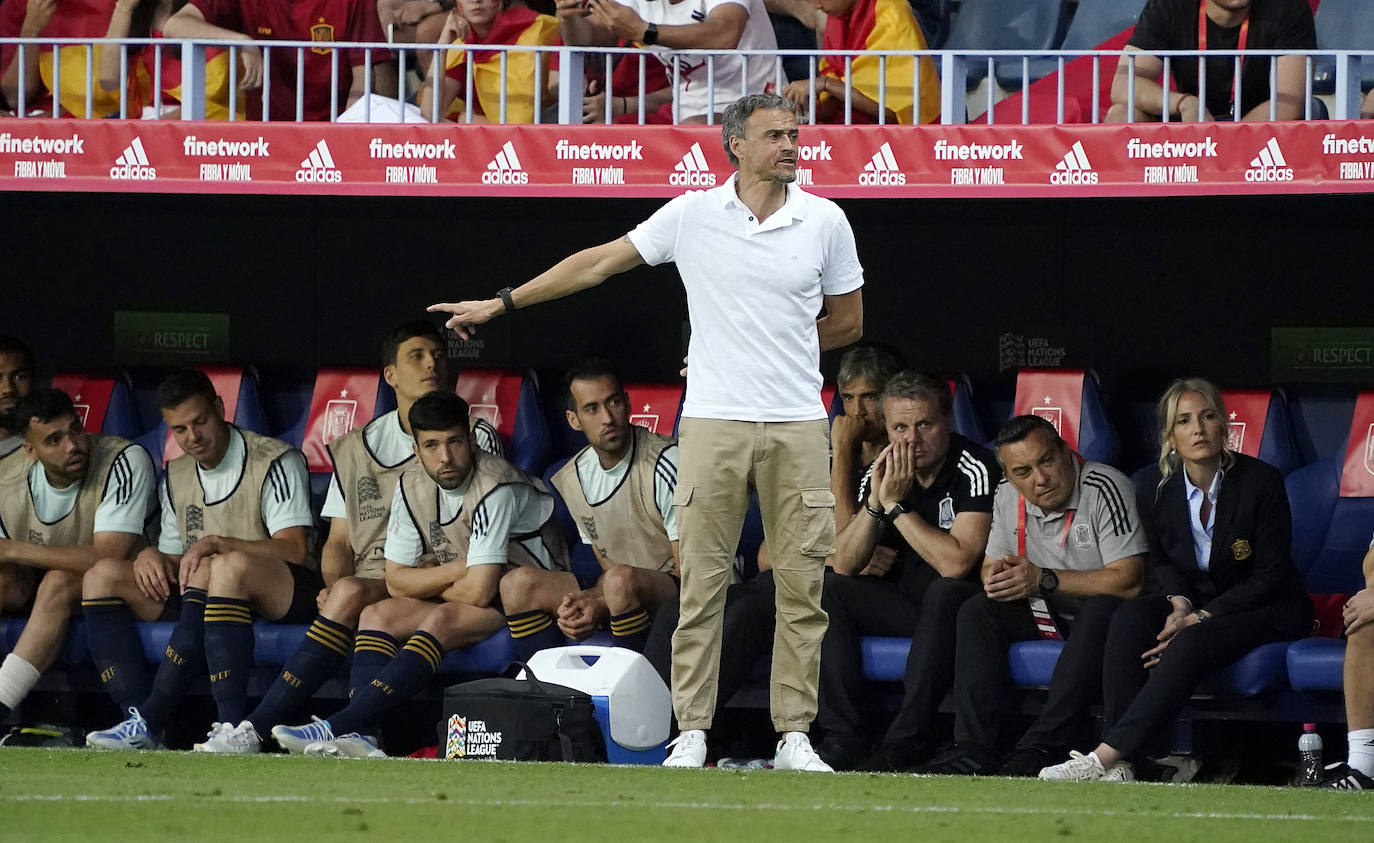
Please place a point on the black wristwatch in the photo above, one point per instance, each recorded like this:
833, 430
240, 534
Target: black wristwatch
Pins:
895, 511
650, 35
1049, 581
509, 302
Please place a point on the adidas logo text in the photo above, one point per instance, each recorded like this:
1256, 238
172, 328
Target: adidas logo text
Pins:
1074, 169
132, 164
319, 166
1269, 165
505, 168
692, 170
883, 169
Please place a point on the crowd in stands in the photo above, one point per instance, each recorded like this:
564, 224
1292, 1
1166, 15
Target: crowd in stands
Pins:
434, 542
844, 84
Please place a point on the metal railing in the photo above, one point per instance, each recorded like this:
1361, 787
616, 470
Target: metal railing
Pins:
566, 106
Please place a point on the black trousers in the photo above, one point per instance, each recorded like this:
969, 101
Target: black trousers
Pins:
1139, 704
931, 660
986, 628
857, 606
746, 635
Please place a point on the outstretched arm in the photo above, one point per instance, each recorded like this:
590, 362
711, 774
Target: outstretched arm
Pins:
584, 269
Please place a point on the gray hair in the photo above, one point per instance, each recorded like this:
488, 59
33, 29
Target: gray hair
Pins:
737, 114
873, 364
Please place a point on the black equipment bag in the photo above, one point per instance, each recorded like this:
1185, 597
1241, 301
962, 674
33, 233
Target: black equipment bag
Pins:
519, 720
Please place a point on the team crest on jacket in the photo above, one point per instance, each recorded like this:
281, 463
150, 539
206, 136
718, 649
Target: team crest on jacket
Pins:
589, 527
321, 32
195, 518
946, 512
436, 535
1082, 536
1240, 549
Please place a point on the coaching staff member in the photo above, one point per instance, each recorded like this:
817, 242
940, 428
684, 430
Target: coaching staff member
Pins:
758, 257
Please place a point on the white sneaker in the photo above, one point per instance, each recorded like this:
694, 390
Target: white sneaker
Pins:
132, 733
795, 753
688, 750
1079, 768
228, 739
354, 745
297, 740
1121, 771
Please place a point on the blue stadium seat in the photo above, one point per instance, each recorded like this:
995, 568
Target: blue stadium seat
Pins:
1259, 671
105, 401
1069, 399
74, 650
509, 400
1094, 21
1343, 25
492, 655
966, 421
1316, 664
1003, 25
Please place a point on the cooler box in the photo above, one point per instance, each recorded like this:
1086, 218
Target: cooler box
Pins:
629, 700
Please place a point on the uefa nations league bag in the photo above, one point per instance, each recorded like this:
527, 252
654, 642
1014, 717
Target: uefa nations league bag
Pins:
519, 720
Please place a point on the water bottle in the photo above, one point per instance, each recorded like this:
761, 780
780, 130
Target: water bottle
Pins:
1309, 756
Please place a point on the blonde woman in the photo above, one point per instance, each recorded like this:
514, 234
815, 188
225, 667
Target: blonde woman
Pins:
1220, 530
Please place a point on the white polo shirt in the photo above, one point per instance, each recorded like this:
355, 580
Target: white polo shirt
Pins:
734, 75
753, 294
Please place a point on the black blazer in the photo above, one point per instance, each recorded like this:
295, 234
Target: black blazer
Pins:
1251, 564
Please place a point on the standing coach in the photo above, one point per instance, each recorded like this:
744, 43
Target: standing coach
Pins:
759, 258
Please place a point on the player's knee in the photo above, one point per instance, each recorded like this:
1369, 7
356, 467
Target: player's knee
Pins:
104, 578
620, 588
350, 595
386, 616
518, 589
231, 572
57, 589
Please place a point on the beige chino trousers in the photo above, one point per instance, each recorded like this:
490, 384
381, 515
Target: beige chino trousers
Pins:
788, 464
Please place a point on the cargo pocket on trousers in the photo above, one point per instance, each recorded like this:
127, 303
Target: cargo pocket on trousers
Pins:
682, 495
818, 522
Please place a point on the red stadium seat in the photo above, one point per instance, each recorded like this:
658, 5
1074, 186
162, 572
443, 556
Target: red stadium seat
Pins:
104, 402
238, 388
1258, 426
655, 406
1068, 399
343, 399
509, 402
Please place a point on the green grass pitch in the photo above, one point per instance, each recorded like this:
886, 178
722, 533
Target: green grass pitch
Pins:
88, 795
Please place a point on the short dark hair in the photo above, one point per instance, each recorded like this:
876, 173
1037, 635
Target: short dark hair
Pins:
736, 115
1019, 427
183, 385
19, 348
44, 404
409, 330
587, 369
438, 410
918, 386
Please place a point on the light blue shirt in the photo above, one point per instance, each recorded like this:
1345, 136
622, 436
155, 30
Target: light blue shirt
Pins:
1202, 533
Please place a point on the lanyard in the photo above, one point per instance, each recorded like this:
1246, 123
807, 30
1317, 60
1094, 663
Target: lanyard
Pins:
1021, 526
1202, 40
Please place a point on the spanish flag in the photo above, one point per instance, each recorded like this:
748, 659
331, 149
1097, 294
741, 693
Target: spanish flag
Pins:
880, 25
74, 19
216, 80
518, 25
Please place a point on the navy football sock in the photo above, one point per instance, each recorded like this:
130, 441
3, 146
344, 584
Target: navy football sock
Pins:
534, 631
631, 630
399, 681
116, 650
182, 662
229, 655
320, 656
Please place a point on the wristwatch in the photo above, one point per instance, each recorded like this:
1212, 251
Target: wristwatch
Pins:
1049, 581
897, 510
650, 35
509, 302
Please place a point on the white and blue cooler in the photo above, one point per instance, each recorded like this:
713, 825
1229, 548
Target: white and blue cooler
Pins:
629, 700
